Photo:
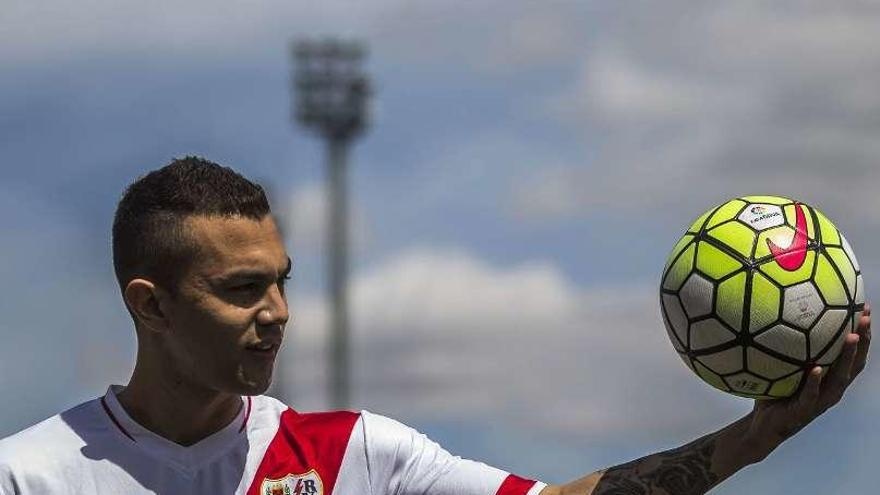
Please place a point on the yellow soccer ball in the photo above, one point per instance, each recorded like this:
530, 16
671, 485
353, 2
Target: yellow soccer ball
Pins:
758, 291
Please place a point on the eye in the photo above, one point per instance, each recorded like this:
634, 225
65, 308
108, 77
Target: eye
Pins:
248, 287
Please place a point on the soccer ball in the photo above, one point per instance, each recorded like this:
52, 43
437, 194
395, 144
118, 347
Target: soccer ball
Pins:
757, 292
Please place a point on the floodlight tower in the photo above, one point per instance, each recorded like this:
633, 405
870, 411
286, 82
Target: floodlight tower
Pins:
331, 94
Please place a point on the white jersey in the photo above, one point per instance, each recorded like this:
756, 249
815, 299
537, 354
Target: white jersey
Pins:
269, 449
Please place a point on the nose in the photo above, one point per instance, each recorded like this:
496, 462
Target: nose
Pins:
274, 311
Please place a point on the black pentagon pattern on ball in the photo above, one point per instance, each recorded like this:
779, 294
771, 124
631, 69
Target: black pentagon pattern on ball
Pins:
743, 377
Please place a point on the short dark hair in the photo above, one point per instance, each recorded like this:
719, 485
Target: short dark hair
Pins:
149, 240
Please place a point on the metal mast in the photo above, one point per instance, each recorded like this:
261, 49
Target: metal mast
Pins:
331, 94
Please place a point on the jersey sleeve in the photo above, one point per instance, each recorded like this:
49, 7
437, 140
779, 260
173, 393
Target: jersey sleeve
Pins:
400, 460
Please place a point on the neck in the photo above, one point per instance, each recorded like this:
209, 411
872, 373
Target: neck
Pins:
174, 409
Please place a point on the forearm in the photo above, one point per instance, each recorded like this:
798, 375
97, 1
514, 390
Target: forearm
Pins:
687, 470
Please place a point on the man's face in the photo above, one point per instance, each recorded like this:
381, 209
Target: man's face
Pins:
228, 314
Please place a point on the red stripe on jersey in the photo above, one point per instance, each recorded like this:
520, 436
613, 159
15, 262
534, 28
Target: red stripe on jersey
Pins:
306, 442
115, 422
247, 415
514, 485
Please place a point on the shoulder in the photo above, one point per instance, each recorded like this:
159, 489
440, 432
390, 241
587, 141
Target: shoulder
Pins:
52, 443
390, 445
57, 434
403, 460
381, 432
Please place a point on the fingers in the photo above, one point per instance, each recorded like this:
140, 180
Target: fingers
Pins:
823, 388
806, 406
864, 333
840, 374
812, 389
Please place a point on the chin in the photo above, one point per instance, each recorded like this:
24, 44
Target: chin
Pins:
251, 386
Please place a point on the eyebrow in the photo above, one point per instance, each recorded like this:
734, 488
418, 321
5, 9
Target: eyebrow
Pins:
250, 274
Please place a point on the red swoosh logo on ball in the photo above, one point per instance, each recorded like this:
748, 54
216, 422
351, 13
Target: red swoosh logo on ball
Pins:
792, 257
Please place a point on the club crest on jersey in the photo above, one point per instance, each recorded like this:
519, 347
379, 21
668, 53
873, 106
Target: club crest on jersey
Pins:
294, 484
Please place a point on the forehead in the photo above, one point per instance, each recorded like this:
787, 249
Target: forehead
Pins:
226, 243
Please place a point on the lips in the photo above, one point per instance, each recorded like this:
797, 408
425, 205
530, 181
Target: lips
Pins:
263, 349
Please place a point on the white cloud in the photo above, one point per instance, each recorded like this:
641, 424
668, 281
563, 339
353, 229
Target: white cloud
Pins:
449, 291
441, 334
615, 86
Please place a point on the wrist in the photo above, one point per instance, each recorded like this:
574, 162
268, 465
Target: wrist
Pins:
756, 442
738, 445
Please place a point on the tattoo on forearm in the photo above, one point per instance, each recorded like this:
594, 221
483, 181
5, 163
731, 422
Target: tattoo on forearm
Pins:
682, 471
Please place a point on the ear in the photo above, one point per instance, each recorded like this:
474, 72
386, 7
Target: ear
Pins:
145, 300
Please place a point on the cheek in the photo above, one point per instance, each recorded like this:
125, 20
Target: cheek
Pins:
207, 329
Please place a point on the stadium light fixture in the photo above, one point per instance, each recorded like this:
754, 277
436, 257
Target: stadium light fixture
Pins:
331, 94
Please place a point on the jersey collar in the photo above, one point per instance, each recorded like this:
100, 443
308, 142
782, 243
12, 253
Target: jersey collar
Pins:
183, 457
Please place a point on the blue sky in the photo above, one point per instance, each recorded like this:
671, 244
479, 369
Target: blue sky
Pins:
529, 167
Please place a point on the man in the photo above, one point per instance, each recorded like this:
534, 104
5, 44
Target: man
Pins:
202, 270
